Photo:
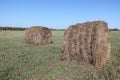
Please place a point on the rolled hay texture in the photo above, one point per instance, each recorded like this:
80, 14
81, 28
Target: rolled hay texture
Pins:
87, 42
38, 35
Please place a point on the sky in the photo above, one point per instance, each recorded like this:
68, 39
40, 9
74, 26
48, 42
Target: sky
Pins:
58, 14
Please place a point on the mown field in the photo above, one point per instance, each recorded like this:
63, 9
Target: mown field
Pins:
21, 61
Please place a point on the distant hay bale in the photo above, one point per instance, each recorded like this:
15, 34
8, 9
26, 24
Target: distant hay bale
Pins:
38, 35
87, 42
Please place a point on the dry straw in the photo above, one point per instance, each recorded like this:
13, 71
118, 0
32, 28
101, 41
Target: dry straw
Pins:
38, 35
87, 42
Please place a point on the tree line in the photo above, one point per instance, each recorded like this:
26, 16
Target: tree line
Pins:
22, 29
12, 28
115, 29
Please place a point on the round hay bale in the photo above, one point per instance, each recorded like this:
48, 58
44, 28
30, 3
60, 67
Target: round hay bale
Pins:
38, 35
87, 42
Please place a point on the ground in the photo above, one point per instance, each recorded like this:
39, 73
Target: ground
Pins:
22, 61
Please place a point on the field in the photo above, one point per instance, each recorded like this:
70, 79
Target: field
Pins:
21, 61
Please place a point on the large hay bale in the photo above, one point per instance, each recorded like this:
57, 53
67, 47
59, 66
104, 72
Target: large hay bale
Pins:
38, 35
87, 42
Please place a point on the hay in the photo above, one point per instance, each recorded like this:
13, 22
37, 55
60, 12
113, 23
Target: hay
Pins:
38, 35
87, 42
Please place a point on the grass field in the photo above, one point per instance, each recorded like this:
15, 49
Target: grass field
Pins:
21, 61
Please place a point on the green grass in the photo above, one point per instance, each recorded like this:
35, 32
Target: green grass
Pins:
21, 61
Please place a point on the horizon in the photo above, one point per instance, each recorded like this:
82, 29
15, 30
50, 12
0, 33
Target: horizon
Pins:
58, 14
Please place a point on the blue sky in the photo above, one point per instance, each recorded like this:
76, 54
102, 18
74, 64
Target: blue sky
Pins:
58, 14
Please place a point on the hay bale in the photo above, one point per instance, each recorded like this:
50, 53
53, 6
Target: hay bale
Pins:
87, 42
38, 35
